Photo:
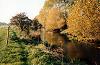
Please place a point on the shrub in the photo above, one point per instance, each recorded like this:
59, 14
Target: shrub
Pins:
42, 56
13, 36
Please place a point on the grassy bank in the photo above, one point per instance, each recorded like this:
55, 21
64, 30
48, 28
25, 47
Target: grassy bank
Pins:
19, 53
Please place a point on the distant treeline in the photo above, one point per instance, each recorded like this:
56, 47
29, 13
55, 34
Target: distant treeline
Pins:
1, 23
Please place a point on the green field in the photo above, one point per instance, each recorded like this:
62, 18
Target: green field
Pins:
10, 54
18, 53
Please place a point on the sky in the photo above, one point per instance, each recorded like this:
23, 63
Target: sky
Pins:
9, 8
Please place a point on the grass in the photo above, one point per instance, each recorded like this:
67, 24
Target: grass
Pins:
10, 54
18, 53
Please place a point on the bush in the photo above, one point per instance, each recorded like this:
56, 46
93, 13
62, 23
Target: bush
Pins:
13, 36
42, 56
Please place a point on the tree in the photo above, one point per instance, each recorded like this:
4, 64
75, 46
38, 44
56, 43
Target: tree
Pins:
57, 3
36, 25
22, 22
53, 15
54, 20
84, 20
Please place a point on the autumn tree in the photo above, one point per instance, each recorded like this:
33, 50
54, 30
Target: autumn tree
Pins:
57, 3
22, 22
84, 20
54, 13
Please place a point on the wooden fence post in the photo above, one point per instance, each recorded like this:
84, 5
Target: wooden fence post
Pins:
8, 34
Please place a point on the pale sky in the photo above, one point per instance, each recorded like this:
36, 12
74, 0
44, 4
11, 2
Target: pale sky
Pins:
9, 8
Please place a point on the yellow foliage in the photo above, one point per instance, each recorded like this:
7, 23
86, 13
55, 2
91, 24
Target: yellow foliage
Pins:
51, 16
42, 17
51, 19
84, 19
49, 3
54, 20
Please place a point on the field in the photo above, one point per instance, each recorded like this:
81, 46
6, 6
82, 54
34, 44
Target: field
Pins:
18, 53
9, 53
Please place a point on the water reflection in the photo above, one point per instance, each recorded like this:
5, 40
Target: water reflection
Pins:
54, 38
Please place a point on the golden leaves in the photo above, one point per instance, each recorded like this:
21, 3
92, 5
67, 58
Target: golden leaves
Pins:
83, 18
54, 21
51, 19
